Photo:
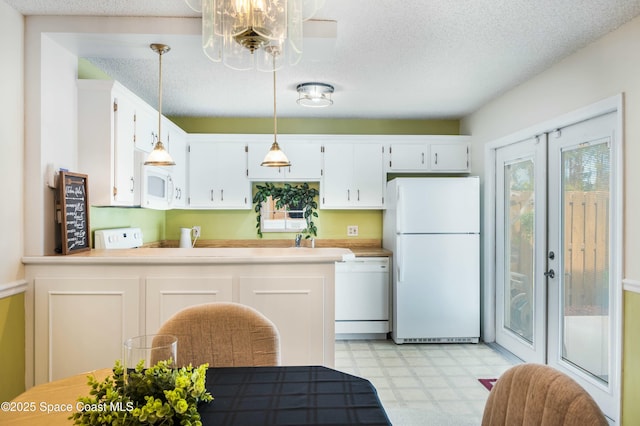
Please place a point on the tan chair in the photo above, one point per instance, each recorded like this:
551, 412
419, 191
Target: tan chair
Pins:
536, 394
224, 335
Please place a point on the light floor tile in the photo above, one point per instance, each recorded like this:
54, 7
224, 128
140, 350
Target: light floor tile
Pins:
425, 384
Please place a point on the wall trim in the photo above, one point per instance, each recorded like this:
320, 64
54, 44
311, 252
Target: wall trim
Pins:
631, 285
12, 288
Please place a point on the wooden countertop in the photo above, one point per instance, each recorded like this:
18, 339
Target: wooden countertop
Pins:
235, 255
371, 252
362, 247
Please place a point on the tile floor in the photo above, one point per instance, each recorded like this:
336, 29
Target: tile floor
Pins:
425, 384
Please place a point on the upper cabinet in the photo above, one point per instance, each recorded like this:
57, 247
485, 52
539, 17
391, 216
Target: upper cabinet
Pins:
353, 175
432, 154
304, 155
217, 174
106, 142
215, 171
147, 127
175, 141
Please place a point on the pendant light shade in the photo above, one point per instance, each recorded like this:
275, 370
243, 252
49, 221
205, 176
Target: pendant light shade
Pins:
275, 157
159, 156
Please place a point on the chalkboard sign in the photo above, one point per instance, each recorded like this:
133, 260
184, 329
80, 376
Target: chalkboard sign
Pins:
74, 210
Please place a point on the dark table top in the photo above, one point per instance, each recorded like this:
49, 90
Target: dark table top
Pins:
305, 395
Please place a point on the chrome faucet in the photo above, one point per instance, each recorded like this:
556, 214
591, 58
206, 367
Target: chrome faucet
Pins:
298, 238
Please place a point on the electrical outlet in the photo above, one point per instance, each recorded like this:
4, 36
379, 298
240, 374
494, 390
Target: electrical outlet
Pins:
196, 231
352, 230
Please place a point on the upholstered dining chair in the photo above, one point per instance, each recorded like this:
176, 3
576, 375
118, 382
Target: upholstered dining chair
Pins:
536, 394
224, 334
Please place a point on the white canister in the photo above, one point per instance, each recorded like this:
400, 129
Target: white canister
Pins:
185, 238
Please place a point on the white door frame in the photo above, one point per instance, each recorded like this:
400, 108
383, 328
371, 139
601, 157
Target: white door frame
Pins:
611, 104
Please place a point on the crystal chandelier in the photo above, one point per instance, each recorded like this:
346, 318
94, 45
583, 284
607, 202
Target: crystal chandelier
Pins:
243, 34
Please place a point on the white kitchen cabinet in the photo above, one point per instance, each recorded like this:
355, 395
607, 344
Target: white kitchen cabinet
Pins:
353, 175
146, 133
81, 322
305, 157
106, 133
218, 174
166, 296
449, 157
437, 154
175, 141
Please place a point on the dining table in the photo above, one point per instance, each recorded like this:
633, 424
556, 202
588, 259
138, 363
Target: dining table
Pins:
247, 396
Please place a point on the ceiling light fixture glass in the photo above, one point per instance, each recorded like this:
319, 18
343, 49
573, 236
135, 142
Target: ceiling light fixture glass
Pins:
275, 157
241, 33
159, 156
315, 95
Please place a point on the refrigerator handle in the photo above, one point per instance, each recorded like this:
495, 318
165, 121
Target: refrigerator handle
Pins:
400, 263
399, 209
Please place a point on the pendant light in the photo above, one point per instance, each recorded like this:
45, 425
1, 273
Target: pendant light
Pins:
275, 157
159, 156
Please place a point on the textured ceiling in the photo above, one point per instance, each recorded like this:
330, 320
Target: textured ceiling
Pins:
390, 58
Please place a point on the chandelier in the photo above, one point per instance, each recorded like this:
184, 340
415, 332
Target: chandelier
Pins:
243, 34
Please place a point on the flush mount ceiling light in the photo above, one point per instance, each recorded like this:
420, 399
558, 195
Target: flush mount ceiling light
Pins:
159, 156
275, 157
315, 94
243, 33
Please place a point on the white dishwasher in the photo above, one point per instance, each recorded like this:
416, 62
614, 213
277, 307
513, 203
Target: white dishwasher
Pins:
362, 298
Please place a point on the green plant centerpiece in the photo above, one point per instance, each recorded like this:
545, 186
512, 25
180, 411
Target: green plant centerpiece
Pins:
159, 395
290, 197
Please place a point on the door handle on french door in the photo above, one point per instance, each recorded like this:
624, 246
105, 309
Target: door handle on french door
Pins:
551, 273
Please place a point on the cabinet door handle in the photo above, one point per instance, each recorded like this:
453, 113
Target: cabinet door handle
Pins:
436, 158
222, 195
212, 195
422, 157
132, 186
348, 195
358, 195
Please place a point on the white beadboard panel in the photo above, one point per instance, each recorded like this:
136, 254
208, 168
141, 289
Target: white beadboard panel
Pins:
82, 323
167, 296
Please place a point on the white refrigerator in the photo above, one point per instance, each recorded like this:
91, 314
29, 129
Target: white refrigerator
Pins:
432, 226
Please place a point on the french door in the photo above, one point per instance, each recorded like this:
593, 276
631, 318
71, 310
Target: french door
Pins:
556, 280
521, 302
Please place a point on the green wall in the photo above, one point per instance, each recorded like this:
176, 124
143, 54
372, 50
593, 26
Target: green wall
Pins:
241, 224
318, 126
631, 360
151, 222
12, 350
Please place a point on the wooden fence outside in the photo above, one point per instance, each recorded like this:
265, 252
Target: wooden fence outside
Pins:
586, 253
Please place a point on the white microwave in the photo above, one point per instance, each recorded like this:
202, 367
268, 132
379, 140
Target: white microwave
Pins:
156, 187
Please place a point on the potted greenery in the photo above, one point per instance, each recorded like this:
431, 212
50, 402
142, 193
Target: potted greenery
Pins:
292, 197
160, 395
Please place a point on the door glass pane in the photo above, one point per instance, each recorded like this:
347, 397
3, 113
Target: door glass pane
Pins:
519, 243
585, 278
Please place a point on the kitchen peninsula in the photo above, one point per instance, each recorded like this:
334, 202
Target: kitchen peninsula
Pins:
86, 304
